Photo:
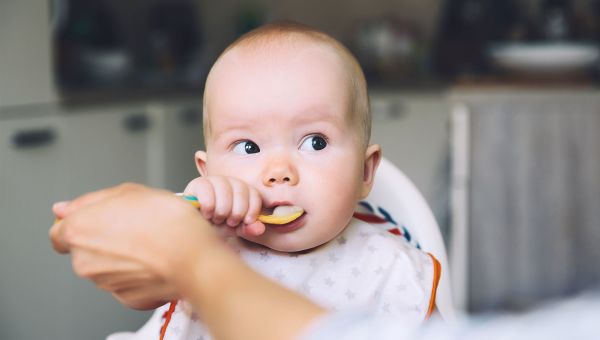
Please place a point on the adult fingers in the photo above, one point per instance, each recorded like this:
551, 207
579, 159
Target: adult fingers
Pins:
144, 297
95, 196
58, 209
137, 298
57, 239
58, 233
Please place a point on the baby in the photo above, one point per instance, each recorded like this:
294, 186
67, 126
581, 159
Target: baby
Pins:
287, 127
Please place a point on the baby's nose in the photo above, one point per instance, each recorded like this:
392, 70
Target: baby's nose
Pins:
280, 171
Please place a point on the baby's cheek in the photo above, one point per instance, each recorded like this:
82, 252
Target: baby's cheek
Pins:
338, 215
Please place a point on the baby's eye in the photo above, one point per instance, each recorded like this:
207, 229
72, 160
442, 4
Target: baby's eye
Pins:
246, 147
313, 143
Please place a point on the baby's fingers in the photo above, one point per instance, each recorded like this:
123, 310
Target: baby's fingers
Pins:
223, 199
240, 203
203, 190
254, 206
251, 226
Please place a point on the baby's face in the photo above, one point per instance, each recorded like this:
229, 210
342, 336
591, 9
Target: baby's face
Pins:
280, 122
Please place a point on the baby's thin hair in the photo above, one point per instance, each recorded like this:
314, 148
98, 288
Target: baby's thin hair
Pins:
271, 35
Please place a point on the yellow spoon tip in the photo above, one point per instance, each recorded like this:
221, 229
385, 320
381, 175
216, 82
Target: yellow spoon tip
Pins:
272, 219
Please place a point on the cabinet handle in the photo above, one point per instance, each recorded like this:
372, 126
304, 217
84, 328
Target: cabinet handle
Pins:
136, 122
33, 138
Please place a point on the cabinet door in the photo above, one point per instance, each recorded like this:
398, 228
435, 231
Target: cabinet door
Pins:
44, 160
30, 180
107, 147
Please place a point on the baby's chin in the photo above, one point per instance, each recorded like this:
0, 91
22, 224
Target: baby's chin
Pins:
287, 244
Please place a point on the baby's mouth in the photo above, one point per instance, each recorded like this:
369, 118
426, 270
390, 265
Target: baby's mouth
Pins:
281, 214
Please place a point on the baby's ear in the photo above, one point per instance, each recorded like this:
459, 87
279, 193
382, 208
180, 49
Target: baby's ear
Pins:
200, 158
372, 159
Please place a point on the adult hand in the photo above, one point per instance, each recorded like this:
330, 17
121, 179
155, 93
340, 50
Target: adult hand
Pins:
132, 241
147, 247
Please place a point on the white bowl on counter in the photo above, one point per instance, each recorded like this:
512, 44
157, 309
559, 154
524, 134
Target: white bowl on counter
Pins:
559, 57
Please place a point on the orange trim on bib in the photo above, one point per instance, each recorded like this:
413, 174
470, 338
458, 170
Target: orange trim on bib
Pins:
168, 314
437, 273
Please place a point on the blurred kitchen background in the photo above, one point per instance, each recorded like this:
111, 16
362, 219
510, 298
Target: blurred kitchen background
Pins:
491, 107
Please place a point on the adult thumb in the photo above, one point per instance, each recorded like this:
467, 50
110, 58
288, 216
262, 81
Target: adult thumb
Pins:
59, 209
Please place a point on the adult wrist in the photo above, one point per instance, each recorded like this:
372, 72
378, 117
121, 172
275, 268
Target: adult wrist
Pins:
207, 270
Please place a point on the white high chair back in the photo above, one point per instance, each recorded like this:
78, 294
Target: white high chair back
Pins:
395, 198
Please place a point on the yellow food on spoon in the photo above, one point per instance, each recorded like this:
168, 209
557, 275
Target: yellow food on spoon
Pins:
281, 214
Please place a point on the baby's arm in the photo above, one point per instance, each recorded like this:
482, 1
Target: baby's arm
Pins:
229, 202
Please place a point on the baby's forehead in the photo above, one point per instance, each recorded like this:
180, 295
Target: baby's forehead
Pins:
264, 54
262, 61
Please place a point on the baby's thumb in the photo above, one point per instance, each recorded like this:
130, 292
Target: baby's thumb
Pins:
253, 229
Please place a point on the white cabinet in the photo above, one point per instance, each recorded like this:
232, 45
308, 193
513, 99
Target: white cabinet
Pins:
180, 137
43, 160
106, 146
49, 154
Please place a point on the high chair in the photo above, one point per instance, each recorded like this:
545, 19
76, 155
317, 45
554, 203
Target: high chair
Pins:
397, 200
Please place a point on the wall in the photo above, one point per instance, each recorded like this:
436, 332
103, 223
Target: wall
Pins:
336, 17
25, 58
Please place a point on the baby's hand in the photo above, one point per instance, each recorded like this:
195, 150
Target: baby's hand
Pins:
228, 201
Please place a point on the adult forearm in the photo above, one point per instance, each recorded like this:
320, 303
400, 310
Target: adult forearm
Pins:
237, 303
